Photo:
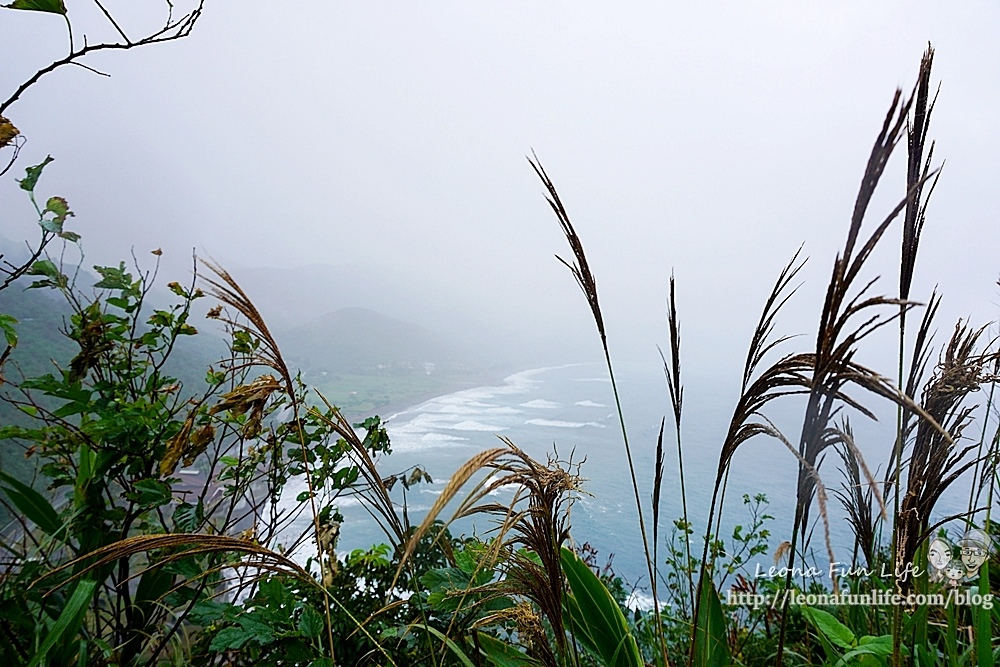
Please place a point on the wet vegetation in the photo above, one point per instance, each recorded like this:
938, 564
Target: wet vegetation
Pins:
152, 533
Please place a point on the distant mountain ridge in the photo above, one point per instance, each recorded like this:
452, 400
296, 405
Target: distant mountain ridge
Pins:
361, 340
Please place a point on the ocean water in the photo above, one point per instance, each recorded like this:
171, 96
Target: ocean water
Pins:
569, 412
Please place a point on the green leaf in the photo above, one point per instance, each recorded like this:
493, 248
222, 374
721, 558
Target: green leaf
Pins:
445, 579
595, 618
828, 625
879, 647
32, 173
459, 653
85, 473
230, 639
54, 277
206, 612
60, 207
154, 583
311, 624
32, 504
113, 277
984, 650
188, 517
711, 648
69, 620
50, 6
502, 654
7, 327
152, 493
72, 237
47, 268
52, 226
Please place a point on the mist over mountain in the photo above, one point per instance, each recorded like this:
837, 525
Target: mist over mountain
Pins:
359, 340
316, 309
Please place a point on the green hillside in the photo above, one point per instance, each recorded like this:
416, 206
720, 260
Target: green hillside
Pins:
366, 362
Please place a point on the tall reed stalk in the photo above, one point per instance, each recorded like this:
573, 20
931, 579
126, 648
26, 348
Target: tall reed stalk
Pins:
676, 390
585, 279
917, 171
844, 322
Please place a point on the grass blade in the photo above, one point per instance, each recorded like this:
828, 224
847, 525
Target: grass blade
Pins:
69, 620
595, 618
711, 648
32, 504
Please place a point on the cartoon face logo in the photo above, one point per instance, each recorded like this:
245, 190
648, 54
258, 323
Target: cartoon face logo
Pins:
954, 572
976, 547
939, 554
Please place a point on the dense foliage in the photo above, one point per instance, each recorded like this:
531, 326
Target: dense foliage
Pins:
160, 530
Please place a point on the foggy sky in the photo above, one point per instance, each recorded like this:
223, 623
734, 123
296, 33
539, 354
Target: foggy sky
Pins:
711, 139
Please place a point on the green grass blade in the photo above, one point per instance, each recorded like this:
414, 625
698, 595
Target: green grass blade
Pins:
68, 622
32, 504
711, 647
595, 618
502, 654
983, 621
452, 646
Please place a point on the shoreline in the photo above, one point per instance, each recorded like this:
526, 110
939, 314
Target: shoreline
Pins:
485, 379
396, 395
495, 377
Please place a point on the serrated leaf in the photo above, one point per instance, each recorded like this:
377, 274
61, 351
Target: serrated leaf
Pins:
32, 173
113, 277
7, 132
188, 517
49, 6
229, 639
206, 612
60, 207
311, 624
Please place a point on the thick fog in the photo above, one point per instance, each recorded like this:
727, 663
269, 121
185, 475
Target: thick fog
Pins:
708, 139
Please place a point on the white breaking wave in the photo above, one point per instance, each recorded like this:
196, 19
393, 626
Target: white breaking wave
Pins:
642, 601
540, 403
473, 425
466, 410
562, 424
441, 437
